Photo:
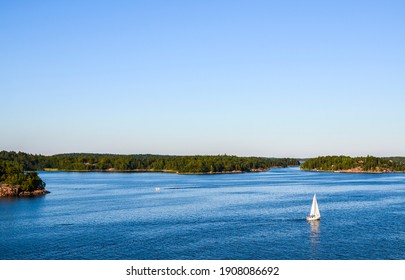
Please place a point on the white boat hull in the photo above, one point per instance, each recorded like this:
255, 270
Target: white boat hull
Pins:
313, 218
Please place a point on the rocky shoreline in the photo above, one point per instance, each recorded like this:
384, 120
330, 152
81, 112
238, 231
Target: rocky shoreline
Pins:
7, 190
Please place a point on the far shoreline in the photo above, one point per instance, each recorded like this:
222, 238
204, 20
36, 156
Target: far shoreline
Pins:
351, 171
112, 170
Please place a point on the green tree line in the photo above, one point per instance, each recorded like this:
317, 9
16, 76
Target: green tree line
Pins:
180, 164
364, 164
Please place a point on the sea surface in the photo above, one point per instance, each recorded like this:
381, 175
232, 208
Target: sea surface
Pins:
231, 216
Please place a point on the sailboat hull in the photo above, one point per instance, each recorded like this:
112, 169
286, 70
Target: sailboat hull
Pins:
313, 218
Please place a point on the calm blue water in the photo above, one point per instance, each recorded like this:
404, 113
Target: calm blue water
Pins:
237, 216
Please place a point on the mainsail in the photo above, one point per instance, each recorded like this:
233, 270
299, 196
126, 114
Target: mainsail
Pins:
314, 208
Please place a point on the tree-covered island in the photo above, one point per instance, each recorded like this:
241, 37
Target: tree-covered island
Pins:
146, 163
15, 182
367, 164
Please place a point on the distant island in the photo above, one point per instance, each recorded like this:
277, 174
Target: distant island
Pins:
145, 163
367, 164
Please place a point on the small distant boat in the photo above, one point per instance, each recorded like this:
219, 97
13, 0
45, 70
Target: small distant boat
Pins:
157, 189
314, 214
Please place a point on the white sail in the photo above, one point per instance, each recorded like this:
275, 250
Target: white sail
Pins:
315, 208
314, 214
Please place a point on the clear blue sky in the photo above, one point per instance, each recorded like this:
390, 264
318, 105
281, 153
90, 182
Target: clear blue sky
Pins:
263, 78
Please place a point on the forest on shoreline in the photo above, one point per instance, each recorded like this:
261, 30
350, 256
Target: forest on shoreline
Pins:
367, 164
145, 163
19, 177
26, 164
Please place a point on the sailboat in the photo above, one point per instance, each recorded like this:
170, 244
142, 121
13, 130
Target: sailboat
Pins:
315, 214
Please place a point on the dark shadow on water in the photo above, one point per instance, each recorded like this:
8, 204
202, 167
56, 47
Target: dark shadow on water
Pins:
296, 220
180, 188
